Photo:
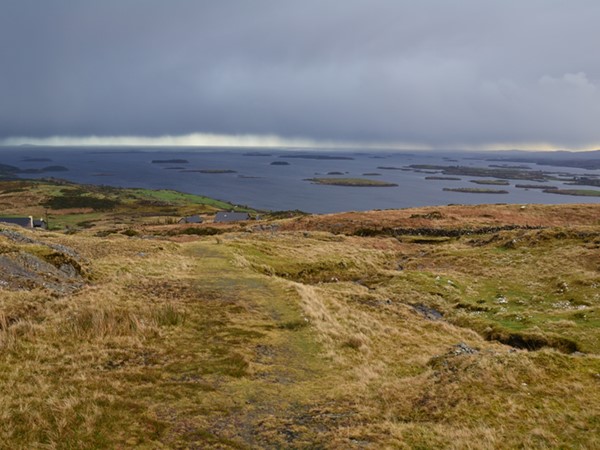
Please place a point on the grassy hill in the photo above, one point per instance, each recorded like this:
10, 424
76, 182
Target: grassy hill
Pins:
452, 327
73, 206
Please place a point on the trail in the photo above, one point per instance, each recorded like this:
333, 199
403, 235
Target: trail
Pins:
276, 401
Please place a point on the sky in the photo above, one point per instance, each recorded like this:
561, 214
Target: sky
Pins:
461, 74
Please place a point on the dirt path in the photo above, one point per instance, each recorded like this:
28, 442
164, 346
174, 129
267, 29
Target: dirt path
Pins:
259, 358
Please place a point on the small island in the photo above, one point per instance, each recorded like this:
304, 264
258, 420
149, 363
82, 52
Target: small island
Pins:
507, 166
170, 161
335, 173
491, 182
217, 171
535, 186
211, 171
504, 173
371, 174
351, 182
321, 157
476, 190
443, 178
280, 163
575, 192
391, 168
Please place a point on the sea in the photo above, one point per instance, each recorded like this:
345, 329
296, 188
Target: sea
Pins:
248, 177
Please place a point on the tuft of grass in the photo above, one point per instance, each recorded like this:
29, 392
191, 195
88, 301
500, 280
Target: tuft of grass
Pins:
169, 316
102, 322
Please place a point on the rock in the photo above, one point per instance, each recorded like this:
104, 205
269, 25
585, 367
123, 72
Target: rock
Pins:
427, 312
16, 237
59, 271
501, 300
69, 270
463, 349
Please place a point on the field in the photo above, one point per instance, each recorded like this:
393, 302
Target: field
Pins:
452, 327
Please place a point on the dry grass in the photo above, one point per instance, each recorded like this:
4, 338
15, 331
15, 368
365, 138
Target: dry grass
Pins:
306, 339
453, 217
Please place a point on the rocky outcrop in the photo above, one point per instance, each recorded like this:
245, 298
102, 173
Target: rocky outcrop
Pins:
27, 263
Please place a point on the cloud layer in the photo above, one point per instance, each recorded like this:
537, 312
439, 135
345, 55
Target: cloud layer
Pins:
431, 73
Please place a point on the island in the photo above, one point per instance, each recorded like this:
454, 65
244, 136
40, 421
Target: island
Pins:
575, 192
391, 168
443, 178
212, 171
280, 163
491, 182
351, 182
535, 186
504, 173
582, 160
476, 190
586, 181
323, 157
170, 161
507, 166
217, 171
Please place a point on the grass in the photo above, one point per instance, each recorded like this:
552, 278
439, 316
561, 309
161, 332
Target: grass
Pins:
179, 198
73, 206
298, 337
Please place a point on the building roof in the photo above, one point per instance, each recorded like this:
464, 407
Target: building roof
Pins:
230, 216
26, 222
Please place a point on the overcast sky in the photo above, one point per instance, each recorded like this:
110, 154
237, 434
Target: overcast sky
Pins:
427, 73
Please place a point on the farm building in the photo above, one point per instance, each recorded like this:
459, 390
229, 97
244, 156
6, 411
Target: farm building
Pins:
25, 222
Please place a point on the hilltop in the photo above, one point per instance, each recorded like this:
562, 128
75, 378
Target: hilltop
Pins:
454, 327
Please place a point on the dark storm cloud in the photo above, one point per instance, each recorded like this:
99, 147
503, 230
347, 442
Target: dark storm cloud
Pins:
441, 73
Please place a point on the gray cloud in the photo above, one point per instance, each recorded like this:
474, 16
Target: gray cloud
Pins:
433, 72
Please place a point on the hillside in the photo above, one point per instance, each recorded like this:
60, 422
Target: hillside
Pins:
73, 206
447, 327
